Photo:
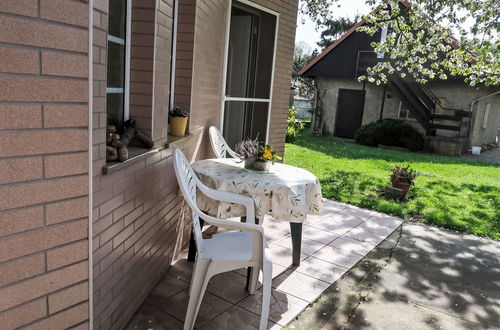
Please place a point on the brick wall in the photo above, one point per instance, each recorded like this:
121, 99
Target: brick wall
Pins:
184, 58
43, 164
163, 58
137, 216
142, 63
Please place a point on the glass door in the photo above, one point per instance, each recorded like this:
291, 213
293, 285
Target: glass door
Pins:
249, 73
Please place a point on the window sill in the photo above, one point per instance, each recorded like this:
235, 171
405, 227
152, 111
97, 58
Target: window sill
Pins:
177, 141
135, 154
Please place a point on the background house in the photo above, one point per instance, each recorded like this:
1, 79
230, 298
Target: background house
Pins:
446, 112
82, 241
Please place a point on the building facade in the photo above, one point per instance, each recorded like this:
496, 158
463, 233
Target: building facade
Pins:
83, 241
452, 115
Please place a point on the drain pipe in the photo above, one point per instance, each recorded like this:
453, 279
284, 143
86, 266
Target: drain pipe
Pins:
471, 110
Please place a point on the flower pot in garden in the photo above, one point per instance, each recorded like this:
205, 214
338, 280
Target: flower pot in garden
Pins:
178, 126
404, 186
257, 165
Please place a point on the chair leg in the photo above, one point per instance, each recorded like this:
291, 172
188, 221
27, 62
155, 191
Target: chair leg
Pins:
196, 292
267, 273
253, 276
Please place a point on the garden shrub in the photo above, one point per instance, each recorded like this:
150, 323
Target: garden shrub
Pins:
391, 132
294, 125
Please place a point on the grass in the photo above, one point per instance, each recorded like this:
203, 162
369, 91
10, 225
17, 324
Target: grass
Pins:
454, 193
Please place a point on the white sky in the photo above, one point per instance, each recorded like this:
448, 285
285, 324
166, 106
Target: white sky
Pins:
348, 8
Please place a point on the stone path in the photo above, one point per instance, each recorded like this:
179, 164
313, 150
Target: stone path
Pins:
332, 243
492, 156
420, 277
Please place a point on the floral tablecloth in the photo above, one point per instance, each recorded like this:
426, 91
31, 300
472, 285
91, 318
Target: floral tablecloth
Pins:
286, 192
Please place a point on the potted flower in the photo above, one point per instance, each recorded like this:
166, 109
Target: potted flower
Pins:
257, 157
178, 121
403, 177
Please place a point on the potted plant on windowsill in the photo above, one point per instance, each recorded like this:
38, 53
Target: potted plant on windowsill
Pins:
178, 121
403, 177
257, 157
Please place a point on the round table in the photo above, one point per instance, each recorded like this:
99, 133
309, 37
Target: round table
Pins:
287, 193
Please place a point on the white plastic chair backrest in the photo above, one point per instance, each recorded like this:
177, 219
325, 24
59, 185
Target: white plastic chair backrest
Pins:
219, 144
187, 182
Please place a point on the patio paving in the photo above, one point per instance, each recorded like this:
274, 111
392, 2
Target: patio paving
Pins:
420, 277
332, 242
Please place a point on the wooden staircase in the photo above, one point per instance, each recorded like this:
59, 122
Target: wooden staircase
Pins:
423, 104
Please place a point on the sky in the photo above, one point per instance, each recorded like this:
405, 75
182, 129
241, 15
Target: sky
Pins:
348, 8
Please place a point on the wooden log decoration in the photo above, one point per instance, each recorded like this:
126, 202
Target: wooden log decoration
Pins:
144, 139
116, 145
111, 154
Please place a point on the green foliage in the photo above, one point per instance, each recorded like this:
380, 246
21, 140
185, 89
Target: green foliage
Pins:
294, 125
454, 193
391, 132
302, 55
334, 28
429, 39
403, 174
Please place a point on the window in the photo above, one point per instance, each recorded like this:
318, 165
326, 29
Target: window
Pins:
404, 112
117, 85
250, 57
484, 124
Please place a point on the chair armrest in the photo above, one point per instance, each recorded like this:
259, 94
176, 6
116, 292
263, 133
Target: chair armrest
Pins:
230, 197
243, 226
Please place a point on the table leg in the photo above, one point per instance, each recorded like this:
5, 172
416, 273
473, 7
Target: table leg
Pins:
296, 230
192, 244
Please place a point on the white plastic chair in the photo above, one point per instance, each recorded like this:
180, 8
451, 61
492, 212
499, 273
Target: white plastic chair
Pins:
219, 144
224, 252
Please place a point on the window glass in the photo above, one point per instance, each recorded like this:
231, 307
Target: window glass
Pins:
250, 53
245, 120
116, 65
117, 18
116, 57
114, 106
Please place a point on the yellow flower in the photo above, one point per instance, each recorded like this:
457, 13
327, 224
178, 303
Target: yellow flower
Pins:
268, 154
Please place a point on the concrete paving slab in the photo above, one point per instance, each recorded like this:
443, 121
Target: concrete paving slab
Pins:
420, 277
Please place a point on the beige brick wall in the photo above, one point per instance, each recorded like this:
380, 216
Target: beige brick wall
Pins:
43, 164
137, 223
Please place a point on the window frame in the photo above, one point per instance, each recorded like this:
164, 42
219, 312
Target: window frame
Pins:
127, 43
224, 97
405, 118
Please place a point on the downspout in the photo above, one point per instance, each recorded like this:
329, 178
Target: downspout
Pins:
471, 110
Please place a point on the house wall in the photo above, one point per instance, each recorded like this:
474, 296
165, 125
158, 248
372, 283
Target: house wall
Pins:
44, 190
457, 96
487, 135
139, 222
328, 92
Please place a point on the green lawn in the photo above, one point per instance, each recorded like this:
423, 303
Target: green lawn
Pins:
454, 193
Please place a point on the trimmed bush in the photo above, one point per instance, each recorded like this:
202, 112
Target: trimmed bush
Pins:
391, 132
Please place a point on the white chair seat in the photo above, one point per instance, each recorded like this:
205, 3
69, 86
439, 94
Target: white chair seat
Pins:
229, 246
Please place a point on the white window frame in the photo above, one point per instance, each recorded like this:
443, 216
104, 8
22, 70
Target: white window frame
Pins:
128, 38
224, 97
399, 113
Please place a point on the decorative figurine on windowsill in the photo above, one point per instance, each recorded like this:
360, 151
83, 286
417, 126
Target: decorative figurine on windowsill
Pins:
116, 145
